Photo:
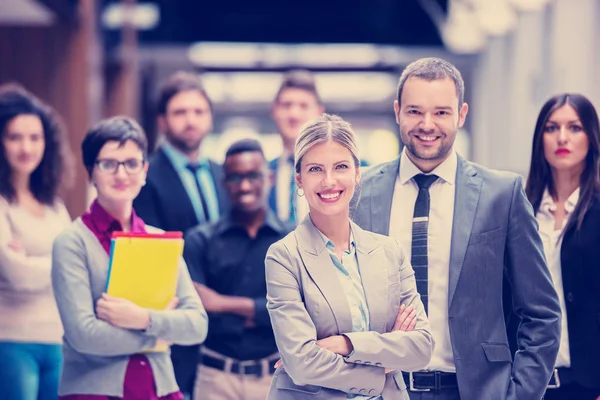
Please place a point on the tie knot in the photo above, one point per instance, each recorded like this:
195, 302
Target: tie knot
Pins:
194, 167
425, 181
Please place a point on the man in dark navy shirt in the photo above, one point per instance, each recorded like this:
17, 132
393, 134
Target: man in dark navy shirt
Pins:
226, 262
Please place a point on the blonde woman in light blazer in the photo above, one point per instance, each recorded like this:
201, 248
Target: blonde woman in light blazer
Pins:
343, 302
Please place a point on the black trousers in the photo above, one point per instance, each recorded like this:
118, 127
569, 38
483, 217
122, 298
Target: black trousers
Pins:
446, 394
572, 391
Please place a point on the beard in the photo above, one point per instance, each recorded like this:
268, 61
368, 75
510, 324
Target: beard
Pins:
187, 145
444, 145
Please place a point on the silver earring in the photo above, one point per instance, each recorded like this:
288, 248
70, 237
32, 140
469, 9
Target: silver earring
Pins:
300, 192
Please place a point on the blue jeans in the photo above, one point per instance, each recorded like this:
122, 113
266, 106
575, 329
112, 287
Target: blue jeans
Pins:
30, 371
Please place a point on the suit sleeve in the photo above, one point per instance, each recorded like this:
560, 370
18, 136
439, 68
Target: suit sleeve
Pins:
304, 361
535, 302
406, 351
146, 206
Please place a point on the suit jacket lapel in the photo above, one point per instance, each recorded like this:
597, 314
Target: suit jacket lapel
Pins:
318, 263
381, 193
468, 189
374, 276
169, 181
216, 171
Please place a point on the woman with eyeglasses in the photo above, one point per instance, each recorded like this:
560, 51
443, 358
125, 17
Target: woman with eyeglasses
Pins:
33, 153
106, 337
564, 188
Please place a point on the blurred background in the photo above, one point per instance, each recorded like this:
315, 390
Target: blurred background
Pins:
92, 59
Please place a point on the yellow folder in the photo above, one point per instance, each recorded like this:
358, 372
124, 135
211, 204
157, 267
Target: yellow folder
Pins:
143, 268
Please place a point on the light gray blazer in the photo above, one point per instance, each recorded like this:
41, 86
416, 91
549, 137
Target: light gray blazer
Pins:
306, 302
496, 255
96, 353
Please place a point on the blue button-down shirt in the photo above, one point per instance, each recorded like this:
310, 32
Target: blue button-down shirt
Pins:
349, 276
180, 161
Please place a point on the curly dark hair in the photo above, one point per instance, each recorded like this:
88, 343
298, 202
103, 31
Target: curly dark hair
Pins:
54, 173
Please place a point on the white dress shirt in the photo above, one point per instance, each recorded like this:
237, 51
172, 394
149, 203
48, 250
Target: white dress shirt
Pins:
552, 240
439, 235
283, 185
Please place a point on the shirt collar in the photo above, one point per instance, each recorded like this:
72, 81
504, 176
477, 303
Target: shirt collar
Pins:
180, 160
331, 246
547, 205
104, 223
271, 221
446, 170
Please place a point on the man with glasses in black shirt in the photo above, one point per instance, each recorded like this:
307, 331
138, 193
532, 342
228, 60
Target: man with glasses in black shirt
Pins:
226, 262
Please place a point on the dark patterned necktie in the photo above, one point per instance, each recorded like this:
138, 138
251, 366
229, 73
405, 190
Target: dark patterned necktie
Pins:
419, 259
194, 170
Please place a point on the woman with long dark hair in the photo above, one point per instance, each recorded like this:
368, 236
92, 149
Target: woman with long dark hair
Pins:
564, 188
33, 151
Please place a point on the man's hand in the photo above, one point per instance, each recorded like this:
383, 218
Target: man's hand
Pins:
122, 313
338, 344
406, 320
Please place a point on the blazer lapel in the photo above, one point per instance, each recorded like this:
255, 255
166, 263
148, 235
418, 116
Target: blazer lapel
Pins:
468, 189
169, 182
373, 276
318, 263
382, 184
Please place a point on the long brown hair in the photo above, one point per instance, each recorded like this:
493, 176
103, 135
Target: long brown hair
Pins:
540, 176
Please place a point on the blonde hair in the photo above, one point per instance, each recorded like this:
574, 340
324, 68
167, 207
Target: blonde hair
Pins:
325, 128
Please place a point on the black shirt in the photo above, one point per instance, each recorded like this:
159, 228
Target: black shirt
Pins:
223, 257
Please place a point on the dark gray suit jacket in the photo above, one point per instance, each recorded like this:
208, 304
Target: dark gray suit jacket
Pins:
494, 236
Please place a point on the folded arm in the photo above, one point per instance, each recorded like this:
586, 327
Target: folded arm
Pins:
295, 333
83, 330
399, 350
188, 323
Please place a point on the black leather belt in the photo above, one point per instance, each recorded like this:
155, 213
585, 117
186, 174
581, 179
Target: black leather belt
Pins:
430, 381
239, 367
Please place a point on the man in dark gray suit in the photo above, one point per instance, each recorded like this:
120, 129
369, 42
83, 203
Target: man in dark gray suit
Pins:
473, 242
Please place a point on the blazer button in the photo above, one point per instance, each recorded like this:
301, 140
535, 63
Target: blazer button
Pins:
358, 361
570, 297
372, 392
367, 363
378, 364
363, 391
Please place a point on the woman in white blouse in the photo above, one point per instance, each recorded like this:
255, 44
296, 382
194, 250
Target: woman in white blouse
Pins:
33, 152
564, 188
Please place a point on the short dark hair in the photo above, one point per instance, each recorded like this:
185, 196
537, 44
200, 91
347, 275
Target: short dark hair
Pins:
299, 79
433, 69
244, 146
55, 172
116, 129
180, 81
540, 175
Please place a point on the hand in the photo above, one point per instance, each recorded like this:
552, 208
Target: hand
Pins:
339, 344
406, 320
172, 304
279, 364
16, 246
122, 313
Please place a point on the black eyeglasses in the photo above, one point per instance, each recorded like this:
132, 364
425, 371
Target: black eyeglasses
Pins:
110, 165
236, 179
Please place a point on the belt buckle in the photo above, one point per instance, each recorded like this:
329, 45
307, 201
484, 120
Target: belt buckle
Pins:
556, 384
251, 363
411, 384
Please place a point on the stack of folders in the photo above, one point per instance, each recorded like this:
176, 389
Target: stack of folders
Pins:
143, 268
